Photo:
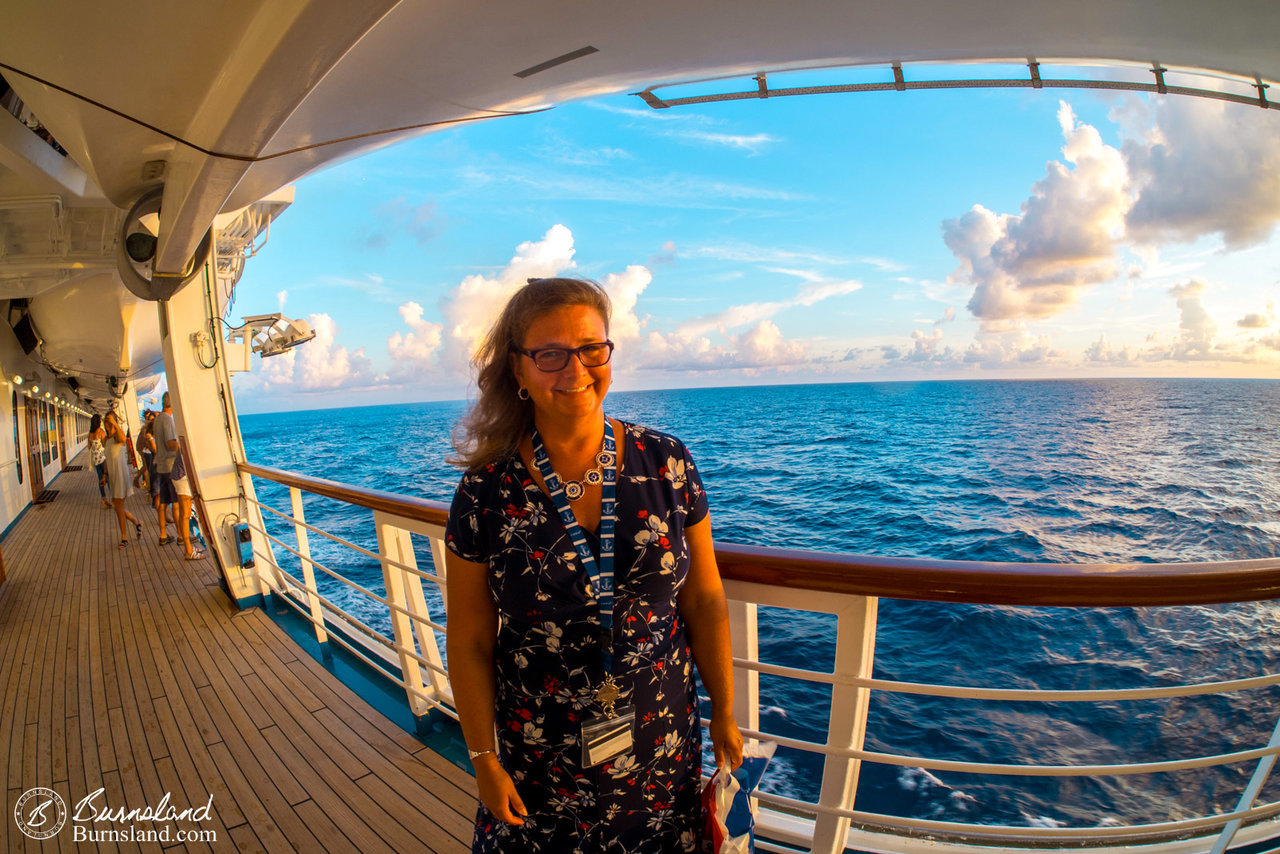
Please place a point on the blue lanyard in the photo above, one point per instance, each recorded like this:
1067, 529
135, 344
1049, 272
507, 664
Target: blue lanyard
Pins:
600, 572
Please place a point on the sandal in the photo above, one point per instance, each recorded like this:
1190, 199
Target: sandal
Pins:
198, 554
138, 528
123, 543
164, 541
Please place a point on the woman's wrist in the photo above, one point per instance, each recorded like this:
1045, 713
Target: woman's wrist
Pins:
722, 712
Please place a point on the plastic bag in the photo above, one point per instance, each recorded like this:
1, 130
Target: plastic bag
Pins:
726, 802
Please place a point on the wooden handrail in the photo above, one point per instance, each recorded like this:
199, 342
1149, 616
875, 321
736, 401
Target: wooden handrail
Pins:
1097, 585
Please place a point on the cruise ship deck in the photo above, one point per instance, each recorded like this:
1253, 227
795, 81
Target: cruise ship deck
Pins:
130, 670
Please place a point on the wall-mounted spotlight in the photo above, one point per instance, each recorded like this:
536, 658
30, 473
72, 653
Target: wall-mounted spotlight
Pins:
268, 334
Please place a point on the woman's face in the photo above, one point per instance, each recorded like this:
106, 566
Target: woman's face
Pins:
575, 391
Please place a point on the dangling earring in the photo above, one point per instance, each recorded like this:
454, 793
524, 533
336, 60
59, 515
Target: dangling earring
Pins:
523, 393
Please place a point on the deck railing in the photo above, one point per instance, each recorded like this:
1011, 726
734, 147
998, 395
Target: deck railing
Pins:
849, 589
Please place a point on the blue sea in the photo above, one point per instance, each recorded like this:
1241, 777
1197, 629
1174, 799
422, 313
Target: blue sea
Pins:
1053, 471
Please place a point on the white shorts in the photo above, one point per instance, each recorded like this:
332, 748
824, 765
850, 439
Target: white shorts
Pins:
182, 486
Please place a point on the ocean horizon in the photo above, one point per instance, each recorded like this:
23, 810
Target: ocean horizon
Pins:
1061, 471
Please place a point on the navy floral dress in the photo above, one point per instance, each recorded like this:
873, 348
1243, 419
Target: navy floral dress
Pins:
547, 655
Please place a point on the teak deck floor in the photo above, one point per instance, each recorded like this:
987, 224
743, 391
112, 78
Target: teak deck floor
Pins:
130, 670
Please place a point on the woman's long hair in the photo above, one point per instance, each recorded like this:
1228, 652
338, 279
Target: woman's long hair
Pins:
499, 419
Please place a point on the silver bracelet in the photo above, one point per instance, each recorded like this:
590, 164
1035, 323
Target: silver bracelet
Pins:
472, 754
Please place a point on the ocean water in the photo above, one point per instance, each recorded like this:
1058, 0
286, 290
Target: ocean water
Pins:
1054, 471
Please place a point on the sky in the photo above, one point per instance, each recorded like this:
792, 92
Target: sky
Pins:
959, 234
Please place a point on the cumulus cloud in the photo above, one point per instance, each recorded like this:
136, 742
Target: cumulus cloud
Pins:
624, 290
320, 364
470, 309
1036, 264
763, 345
1205, 167
1253, 320
1103, 351
924, 347
667, 255
412, 351
1195, 327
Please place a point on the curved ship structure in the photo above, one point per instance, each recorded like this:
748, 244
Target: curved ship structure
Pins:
144, 154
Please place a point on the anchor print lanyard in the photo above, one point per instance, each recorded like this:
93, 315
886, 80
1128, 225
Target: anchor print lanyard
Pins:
600, 572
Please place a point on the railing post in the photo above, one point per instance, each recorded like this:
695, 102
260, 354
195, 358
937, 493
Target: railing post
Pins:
1251, 792
744, 639
855, 657
404, 589
309, 572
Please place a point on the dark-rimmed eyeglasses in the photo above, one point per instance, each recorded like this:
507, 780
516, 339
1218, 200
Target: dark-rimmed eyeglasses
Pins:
550, 359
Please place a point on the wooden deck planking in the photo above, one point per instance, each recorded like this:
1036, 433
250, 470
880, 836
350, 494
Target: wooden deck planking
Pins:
128, 670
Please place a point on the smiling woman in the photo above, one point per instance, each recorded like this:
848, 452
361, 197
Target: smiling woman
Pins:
584, 673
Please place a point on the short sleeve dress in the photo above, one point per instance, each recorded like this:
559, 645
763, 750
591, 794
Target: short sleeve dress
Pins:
548, 663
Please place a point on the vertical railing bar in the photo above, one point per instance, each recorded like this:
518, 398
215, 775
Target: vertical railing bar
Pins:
308, 568
744, 639
1251, 791
847, 720
421, 614
440, 566
391, 546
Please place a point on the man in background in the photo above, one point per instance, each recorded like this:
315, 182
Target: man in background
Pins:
173, 486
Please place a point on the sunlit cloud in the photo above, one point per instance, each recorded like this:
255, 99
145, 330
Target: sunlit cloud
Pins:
1205, 167
1104, 352
1035, 264
318, 365
470, 309
412, 352
1253, 320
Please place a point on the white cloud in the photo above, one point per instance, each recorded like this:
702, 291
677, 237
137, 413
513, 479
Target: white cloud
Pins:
1102, 351
763, 346
1195, 327
1253, 320
1205, 167
1065, 239
413, 351
471, 308
320, 364
624, 290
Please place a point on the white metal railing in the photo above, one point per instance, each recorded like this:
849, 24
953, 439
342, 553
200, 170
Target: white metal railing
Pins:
411, 656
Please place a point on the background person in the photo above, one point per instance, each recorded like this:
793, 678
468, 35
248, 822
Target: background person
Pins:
530, 658
173, 486
98, 456
119, 474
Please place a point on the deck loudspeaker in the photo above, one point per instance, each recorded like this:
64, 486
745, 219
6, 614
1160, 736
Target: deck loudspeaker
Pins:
136, 252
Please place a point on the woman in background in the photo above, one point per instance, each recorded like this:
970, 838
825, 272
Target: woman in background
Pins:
98, 456
119, 463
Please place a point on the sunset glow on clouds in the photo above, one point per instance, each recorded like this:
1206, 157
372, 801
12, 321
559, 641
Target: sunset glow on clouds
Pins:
1143, 242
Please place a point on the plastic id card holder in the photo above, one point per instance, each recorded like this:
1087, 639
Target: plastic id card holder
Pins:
606, 738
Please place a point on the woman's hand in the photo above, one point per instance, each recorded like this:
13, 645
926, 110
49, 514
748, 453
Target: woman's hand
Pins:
498, 791
726, 740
